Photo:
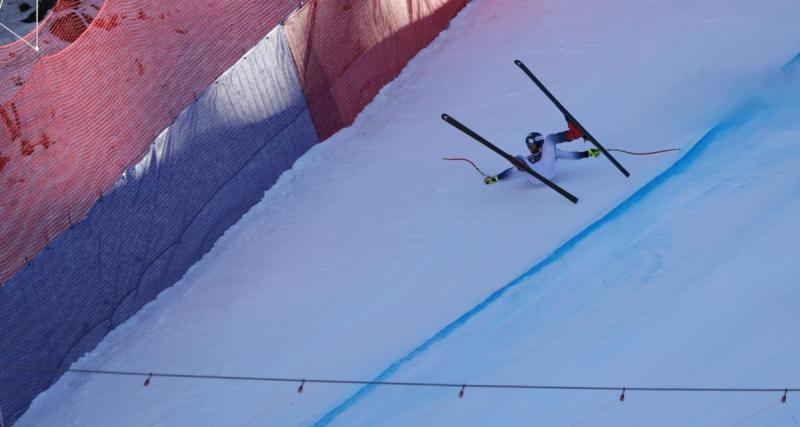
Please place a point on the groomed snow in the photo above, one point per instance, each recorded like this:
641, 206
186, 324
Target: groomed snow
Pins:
690, 283
372, 244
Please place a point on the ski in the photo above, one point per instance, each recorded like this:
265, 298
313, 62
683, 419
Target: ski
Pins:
570, 117
514, 161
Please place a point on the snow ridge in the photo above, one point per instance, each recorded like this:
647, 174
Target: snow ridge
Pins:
739, 116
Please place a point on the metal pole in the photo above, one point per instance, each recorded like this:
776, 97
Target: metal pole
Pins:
37, 34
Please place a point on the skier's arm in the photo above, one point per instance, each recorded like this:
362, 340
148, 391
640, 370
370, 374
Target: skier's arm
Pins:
576, 155
508, 173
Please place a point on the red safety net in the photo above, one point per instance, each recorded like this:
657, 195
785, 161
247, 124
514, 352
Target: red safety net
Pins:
346, 52
90, 111
67, 20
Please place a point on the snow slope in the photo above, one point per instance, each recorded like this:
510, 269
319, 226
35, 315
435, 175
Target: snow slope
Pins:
371, 244
690, 283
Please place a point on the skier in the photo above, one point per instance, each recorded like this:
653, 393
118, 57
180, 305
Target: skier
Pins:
544, 154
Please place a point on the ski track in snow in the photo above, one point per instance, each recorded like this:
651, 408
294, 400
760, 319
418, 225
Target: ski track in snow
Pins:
742, 116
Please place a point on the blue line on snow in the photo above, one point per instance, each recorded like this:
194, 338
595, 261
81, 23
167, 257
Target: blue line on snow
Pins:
738, 117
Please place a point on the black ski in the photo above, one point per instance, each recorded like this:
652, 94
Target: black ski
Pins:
570, 117
514, 161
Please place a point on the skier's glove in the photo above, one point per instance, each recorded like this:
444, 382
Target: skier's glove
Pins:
593, 152
490, 180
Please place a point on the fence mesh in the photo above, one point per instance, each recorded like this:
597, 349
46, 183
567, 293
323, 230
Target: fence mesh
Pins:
67, 20
196, 180
90, 111
346, 52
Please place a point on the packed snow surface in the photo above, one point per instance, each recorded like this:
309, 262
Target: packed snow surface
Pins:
690, 283
374, 259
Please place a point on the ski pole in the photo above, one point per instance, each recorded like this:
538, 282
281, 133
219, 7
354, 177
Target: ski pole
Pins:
646, 153
468, 161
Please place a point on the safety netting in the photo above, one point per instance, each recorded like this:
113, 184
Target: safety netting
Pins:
195, 181
90, 111
65, 22
346, 52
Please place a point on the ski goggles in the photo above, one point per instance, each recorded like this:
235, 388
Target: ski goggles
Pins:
537, 139
534, 140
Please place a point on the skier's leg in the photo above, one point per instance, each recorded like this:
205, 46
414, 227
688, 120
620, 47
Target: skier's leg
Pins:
566, 136
573, 133
558, 138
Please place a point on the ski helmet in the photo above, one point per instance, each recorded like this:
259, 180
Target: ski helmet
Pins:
534, 140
